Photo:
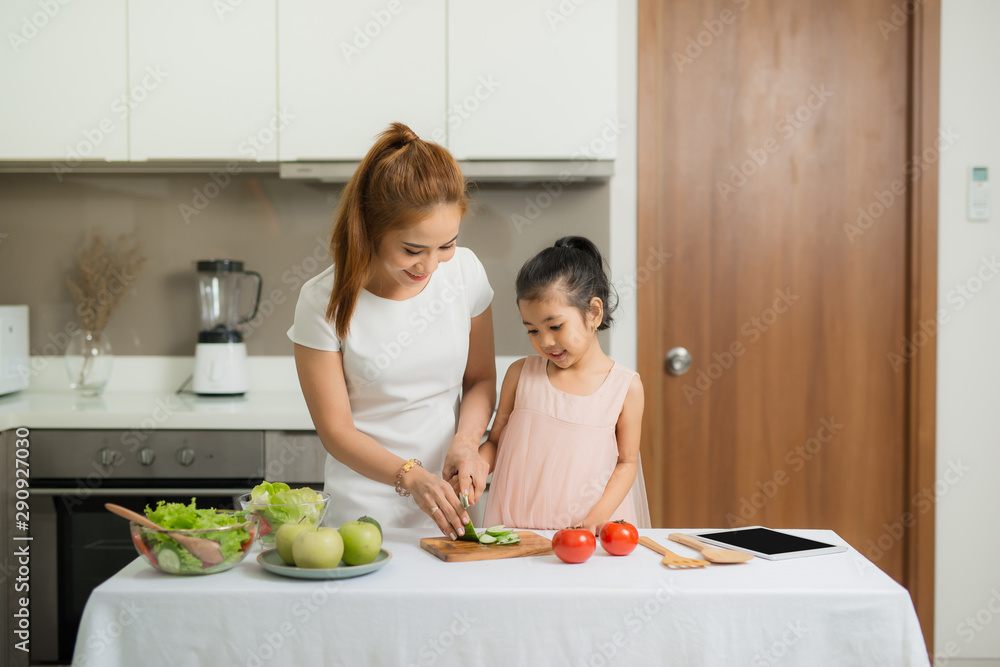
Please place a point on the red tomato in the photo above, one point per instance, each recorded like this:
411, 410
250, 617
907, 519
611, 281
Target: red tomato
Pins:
619, 538
574, 545
251, 530
143, 549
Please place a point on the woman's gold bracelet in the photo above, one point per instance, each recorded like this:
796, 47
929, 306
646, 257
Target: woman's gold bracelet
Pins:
407, 467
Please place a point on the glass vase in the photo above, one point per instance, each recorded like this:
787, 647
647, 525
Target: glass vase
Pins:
88, 362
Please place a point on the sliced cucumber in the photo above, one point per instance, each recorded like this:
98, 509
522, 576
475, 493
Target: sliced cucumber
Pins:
470, 534
169, 560
492, 535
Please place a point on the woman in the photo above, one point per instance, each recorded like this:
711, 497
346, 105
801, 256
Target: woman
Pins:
394, 343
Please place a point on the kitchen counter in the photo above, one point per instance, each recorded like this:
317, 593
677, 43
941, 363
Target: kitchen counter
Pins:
417, 610
256, 410
142, 395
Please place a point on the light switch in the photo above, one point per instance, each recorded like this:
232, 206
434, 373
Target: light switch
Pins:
979, 193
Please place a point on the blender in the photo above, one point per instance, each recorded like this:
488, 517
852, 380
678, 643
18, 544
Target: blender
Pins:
220, 356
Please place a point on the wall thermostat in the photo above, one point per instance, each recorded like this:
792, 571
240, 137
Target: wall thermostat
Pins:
979, 193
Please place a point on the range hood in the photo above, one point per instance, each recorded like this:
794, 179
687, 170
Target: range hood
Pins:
483, 171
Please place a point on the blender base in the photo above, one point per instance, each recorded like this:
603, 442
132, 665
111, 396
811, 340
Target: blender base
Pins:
220, 369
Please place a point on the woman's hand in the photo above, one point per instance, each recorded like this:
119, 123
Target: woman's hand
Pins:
465, 469
437, 499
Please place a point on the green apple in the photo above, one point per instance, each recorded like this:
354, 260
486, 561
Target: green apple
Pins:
373, 522
285, 537
362, 542
317, 548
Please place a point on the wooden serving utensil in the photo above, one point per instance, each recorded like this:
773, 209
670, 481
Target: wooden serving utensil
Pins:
206, 550
710, 553
670, 559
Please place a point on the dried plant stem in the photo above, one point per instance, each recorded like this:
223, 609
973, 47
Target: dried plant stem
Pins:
87, 363
103, 278
104, 275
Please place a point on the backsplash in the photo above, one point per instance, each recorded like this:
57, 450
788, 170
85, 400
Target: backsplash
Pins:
279, 228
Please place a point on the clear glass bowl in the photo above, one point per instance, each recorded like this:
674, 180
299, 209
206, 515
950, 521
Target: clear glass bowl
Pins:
272, 516
165, 554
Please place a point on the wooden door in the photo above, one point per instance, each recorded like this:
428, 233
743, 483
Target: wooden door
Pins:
775, 144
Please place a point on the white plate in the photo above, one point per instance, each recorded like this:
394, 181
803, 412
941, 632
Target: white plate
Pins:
271, 561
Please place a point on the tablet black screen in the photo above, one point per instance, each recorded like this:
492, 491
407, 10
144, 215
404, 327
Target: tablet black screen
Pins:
766, 541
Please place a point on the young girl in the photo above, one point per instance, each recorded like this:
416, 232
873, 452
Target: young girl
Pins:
564, 448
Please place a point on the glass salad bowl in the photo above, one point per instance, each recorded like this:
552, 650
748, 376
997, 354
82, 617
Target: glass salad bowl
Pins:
274, 512
166, 554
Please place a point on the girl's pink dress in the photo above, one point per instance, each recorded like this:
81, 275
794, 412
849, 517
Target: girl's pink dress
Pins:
557, 452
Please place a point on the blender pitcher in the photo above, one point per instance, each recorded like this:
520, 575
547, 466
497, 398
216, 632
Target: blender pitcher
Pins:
219, 282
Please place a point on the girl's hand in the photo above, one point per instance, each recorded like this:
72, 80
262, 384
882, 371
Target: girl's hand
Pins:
437, 499
592, 526
465, 469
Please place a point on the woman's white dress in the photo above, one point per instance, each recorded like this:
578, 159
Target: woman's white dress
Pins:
403, 362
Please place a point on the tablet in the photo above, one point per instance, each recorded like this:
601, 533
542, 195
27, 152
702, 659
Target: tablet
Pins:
767, 543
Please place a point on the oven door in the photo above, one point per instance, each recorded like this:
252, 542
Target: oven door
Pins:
77, 545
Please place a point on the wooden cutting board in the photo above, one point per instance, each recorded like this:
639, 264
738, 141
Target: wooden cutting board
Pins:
453, 551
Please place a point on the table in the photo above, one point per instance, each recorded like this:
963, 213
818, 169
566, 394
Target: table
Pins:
836, 609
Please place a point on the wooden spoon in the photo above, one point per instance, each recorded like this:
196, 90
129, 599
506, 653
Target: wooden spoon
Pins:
205, 550
670, 559
710, 553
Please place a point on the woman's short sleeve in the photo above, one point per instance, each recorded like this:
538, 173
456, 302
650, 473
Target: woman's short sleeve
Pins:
479, 293
311, 328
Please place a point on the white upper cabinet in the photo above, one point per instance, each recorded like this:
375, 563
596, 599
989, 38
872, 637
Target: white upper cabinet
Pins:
532, 80
63, 73
348, 69
303, 80
202, 79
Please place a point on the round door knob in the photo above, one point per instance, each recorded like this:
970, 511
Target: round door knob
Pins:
109, 457
678, 361
147, 456
185, 456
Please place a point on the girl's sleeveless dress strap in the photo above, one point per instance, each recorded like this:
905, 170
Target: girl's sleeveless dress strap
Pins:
528, 382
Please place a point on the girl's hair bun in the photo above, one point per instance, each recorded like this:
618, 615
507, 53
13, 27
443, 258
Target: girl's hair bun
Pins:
582, 244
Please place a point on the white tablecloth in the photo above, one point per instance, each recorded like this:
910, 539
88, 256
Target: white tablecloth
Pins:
825, 610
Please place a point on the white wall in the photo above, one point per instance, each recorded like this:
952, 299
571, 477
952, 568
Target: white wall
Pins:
623, 190
967, 576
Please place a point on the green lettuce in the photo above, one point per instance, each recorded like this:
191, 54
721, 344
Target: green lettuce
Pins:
178, 516
263, 492
278, 504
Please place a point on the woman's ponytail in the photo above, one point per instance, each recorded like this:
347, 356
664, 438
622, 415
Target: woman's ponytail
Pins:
400, 180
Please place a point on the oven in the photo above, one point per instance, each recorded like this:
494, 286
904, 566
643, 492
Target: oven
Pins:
77, 544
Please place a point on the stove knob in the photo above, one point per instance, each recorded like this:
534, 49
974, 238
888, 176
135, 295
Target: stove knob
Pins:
110, 457
147, 456
185, 456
